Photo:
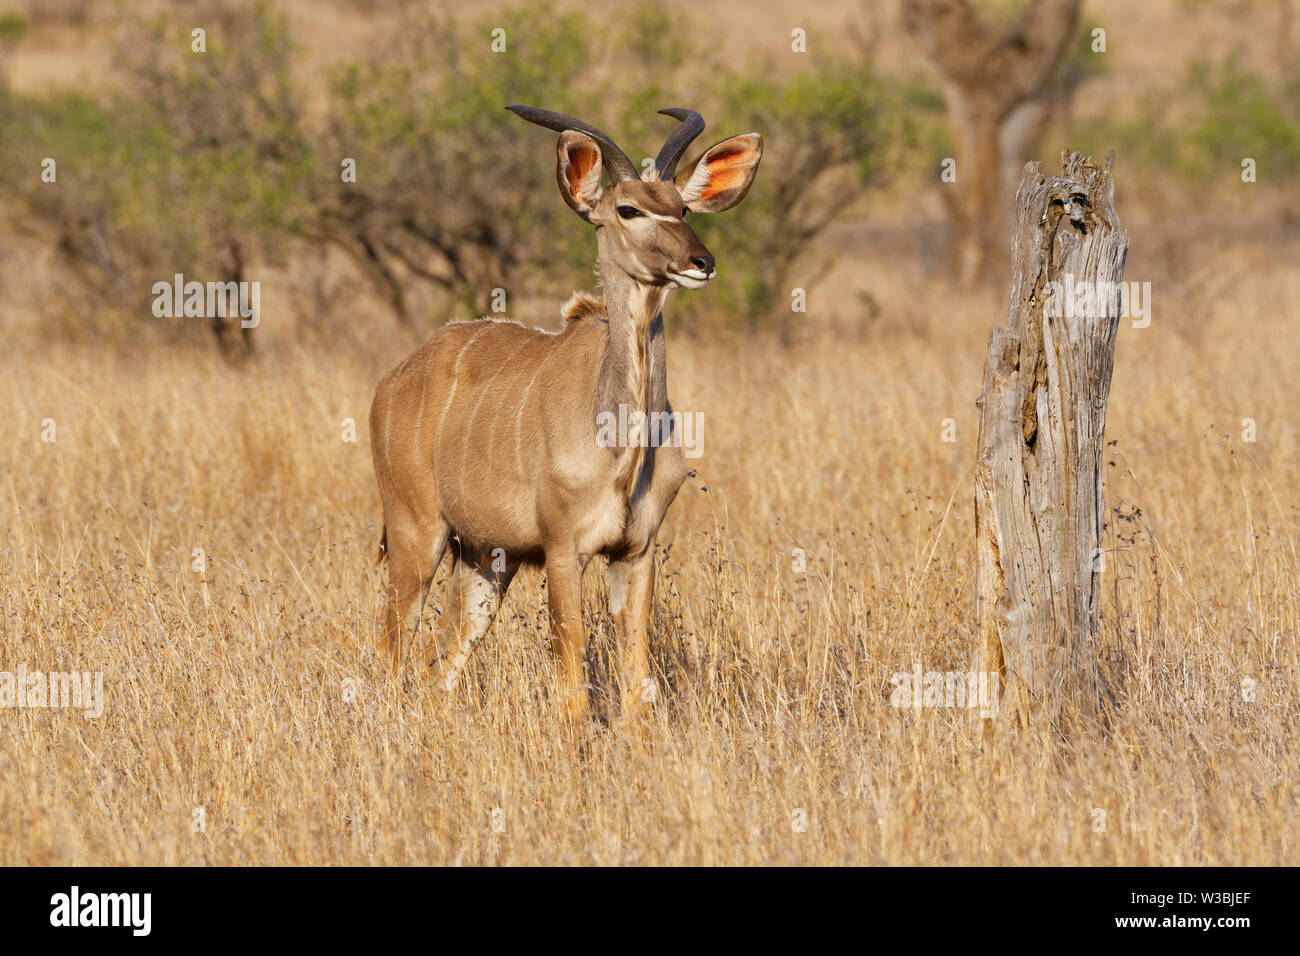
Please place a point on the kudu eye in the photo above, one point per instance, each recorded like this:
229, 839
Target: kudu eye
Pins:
629, 212
685, 211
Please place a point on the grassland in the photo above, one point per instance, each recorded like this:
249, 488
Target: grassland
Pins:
226, 689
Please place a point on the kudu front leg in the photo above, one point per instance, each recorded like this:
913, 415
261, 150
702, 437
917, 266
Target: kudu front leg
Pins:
568, 636
631, 593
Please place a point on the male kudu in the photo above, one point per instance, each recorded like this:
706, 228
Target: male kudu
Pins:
486, 437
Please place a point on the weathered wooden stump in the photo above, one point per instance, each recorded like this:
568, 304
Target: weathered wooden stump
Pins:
1038, 494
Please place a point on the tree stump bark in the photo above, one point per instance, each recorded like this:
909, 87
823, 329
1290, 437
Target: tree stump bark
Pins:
1038, 493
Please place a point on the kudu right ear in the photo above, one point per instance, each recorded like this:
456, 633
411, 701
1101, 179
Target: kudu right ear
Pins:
578, 170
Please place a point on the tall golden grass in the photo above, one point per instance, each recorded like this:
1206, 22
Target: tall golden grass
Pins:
773, 739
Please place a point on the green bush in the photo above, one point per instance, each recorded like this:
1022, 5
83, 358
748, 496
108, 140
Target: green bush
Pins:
1201, 130
204, 163
195, 166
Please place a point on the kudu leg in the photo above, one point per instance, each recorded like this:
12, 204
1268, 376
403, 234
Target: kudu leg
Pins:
568, 637
631, 593
473, 597
413, 555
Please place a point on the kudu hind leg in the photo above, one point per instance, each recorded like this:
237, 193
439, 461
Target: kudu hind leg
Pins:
413, 555
473, 597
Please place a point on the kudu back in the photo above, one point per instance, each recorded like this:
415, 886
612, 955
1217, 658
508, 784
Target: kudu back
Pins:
485, 439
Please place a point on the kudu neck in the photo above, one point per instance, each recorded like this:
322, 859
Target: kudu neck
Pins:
630, 303
633, 372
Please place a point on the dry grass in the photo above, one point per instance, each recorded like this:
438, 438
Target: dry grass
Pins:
225, 689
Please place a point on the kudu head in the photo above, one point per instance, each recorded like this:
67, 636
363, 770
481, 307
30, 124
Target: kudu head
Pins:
644, 217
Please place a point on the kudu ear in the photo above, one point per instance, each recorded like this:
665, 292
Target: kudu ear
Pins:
578, 170
723, 175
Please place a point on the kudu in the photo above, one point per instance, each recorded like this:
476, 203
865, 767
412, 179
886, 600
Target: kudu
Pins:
485, 439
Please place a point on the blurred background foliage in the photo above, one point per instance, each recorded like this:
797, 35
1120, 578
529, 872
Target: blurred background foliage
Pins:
1201, 127
204, 164
209, 164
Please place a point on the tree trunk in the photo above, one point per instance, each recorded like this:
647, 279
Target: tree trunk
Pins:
979, 191
1038, 496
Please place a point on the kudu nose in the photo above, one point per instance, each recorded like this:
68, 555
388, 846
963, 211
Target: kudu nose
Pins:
704, 264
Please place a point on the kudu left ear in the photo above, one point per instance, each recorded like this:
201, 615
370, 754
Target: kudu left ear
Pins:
723, 175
